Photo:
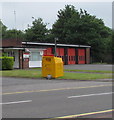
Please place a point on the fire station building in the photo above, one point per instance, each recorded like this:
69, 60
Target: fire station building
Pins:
29, 54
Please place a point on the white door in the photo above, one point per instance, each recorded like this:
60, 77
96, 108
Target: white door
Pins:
16, 59
35, 59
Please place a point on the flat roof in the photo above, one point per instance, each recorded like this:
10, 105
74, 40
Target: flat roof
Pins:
52, 44
12, 48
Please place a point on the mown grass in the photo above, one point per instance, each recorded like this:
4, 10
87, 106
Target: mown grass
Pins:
37, 74
77, 70
85, 76
22, 73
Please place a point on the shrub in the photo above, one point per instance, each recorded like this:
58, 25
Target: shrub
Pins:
6, 63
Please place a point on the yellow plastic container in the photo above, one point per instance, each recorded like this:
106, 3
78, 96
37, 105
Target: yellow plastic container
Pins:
52, 66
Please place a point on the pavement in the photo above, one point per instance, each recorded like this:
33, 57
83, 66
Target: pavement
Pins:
103, 67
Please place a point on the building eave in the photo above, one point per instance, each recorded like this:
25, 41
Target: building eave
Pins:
52, 44
12, 48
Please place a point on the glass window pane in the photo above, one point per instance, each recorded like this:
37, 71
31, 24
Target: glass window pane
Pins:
35, 56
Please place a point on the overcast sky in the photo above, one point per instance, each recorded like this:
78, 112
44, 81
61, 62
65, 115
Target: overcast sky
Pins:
48, 12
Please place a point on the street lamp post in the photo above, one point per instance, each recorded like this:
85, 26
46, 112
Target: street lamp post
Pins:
15, 25
56, 39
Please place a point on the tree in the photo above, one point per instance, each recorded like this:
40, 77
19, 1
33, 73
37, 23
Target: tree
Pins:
60, 28
3, 29
14, 34
79, 27
7, 34
37, 32
112, 46
110, 49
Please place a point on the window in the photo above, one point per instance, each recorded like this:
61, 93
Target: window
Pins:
10, 54
63, 58
81, 58
35, 56
72, 58
69, 58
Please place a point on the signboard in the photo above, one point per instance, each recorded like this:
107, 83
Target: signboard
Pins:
26, 55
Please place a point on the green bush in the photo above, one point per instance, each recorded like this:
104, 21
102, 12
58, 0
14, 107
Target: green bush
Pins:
6, 63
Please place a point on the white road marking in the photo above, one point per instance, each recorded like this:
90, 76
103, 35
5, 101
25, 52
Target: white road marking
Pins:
90, 95
6, 103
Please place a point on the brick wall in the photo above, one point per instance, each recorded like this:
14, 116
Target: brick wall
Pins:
23, 63
87, 55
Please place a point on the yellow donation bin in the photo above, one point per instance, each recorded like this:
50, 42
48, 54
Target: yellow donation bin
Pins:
52, 67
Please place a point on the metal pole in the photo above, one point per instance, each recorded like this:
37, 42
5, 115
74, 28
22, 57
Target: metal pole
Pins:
56, 39
15, 18
15, 24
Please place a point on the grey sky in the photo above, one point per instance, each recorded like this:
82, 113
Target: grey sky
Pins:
48, 12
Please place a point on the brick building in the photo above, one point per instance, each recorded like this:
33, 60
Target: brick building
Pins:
29, 54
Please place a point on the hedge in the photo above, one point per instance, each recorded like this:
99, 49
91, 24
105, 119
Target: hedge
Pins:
6, 63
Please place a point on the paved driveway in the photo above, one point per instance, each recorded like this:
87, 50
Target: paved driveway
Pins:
90, 67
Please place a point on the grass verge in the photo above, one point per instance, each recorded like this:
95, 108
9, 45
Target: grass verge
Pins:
85, 76
77, 70
22, 73
37, 74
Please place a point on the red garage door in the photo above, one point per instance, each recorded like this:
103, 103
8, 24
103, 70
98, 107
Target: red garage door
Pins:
71, 56
60, 53
48, 51
81, 56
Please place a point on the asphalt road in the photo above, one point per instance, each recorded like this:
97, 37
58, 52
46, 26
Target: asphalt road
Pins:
32, 98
